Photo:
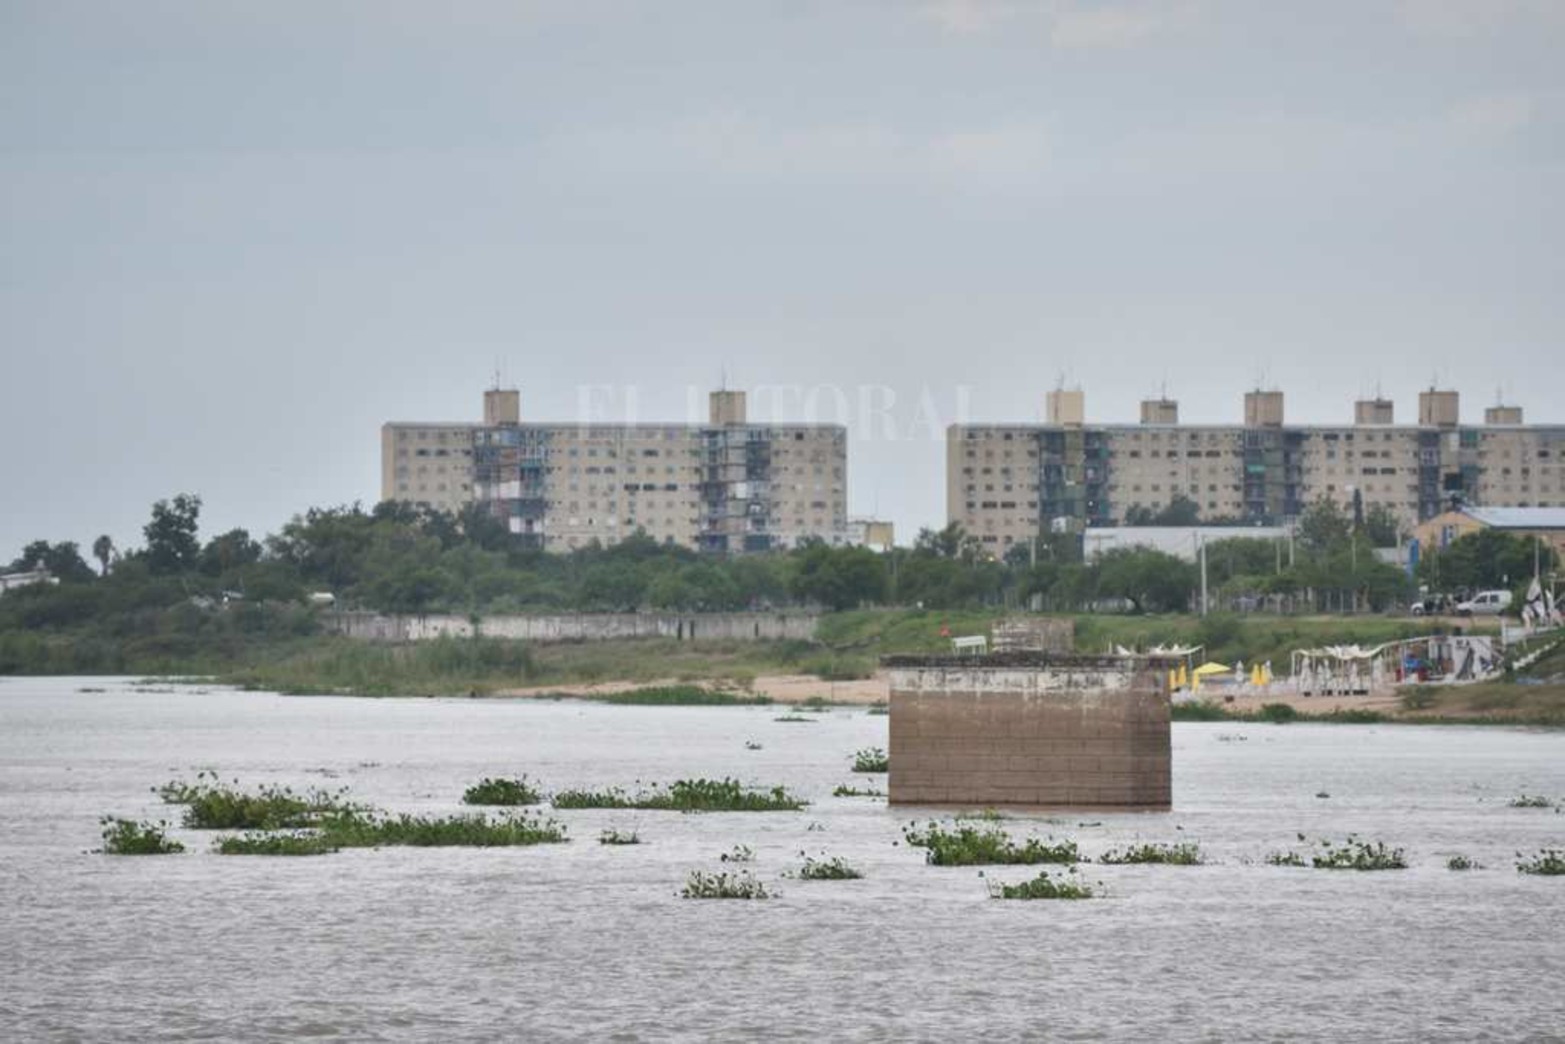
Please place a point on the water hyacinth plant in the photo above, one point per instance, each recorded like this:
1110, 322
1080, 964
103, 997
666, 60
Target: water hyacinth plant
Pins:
871, 759
1531, 801
1185, 853
1549, 862
1461, 862
619, 837
212, 805
1066, 886
834, 869
501, 792
127, 837
738, 854
686, 795
971, 846
843, 790
275, 844
1286, 859
1354, 854
703, 885
369, 830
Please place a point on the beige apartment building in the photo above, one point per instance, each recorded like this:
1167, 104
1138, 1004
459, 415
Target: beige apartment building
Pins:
726, 486
1005, 483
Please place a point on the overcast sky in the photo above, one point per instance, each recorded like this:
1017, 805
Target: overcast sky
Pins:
236, 237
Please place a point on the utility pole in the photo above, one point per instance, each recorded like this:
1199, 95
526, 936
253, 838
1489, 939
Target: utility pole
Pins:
1202, 539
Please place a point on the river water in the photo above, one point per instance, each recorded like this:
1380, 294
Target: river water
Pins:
591, 942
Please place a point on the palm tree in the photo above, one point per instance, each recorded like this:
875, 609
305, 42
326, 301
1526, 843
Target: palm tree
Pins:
103, 550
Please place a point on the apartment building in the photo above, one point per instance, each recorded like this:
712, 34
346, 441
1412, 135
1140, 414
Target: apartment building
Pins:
725, 486
1005, 483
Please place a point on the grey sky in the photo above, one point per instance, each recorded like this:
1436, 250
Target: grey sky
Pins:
236, 237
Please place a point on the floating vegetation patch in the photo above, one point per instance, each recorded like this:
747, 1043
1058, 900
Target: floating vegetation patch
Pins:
1185, 853
686, 795
284, 844
972, 846
796, 717
751, 745
1064, 886
878, 708
738, 854
834, 869
871, 759
619, 837
127, 837
1354, 854
1530, 801
743, 885
843, 790
1461, 862
212, 805
681, 696
1286, 859
1550, 862
501, 792
367, 830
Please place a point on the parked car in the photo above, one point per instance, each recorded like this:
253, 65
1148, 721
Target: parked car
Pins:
1433, 605
1485, 603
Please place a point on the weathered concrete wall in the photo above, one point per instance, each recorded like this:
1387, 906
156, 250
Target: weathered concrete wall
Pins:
1035, 634
575, 627
1057, 732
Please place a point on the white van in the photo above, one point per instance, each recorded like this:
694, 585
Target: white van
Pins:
1485, 603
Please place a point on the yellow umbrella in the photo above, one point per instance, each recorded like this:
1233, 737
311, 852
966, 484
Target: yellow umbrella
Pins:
1211, 668
1180, 680
1257, 676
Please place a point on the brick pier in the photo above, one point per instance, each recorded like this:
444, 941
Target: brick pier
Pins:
1030, 729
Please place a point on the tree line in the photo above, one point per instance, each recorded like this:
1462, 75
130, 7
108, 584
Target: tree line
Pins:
397, 557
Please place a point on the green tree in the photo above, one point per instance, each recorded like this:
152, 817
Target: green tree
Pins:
233, 549
103, 551
1323, 527
839, 578
1150, 580
172, 546
1382, 526
63, 561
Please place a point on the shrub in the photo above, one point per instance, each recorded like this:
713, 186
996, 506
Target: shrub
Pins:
1186, 853
1042, 887
1278, 713
259, 843
871, 759
1354, 854
835, 869
702, 885
682, 696
501, 792
971, 846
126, 837
1549, 862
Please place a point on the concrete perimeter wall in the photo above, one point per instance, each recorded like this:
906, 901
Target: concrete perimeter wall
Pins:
574, 627
1078, 732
